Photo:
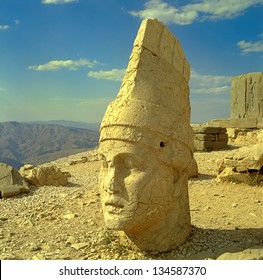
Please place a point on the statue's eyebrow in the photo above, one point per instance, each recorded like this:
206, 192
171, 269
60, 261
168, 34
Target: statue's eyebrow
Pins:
127, 155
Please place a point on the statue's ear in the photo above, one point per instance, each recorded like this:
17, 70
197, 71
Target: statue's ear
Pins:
176, 175
180, 184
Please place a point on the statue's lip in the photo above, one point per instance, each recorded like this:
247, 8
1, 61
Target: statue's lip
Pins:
114, 204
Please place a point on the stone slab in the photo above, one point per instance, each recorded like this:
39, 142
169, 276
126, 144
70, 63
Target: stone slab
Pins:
222, 137
218, 145
205, 137
219, 123
206, 129
244, 123
8, 191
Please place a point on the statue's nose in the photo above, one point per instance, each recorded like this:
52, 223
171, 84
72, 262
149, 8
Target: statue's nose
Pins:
113, 184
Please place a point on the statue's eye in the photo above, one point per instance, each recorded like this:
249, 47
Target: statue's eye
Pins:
131, 163
104, 161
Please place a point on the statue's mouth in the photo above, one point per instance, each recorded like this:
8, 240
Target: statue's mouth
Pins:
113, 208
114, 204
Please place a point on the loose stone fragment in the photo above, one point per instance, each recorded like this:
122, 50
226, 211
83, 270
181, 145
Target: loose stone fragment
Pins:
79, 246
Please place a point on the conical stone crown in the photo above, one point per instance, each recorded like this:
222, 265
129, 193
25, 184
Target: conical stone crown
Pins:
152, 106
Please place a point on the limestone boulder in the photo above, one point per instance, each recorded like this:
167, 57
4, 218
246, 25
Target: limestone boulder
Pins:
249, 136
247, 254
239, 165
11, 182
44, 175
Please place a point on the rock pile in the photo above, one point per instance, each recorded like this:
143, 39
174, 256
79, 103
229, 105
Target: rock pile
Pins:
243, 165
11, 182
209, 138
44, 175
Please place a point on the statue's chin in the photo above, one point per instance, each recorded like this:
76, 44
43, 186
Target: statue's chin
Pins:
115, 223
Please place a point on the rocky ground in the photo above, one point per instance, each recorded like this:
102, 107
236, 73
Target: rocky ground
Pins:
67, 222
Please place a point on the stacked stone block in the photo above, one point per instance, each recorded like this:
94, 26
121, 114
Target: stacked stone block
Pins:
209, 138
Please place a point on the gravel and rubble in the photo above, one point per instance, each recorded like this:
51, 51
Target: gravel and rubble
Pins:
66, 222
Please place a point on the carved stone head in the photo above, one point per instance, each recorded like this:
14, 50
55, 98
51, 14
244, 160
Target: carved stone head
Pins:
146, 145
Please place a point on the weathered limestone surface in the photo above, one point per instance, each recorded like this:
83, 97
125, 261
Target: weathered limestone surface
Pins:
243, 123
11, 182
147, 145
246, 103
260, 122
238, 165
44, 175
209, 138
247, 96
237, 123
224, 123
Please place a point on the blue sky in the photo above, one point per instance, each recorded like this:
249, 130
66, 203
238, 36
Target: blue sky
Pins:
65, 59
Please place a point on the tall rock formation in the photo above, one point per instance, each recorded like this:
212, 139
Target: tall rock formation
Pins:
247, 96
146, 143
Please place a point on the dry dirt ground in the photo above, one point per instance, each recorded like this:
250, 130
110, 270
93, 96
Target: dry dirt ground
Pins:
67, 222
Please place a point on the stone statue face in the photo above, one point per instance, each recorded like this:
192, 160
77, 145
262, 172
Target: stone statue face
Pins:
146, 143
136, 188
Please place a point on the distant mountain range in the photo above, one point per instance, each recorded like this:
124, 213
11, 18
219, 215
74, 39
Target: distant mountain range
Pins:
39, 142
91, 126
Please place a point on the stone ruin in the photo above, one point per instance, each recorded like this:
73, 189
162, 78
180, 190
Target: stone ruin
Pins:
247, 96
11, 182
246, 103
146, 144
242, 165
245, 164
209, 138
44, 175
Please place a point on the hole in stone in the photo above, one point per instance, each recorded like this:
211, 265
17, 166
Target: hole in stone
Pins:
162, 144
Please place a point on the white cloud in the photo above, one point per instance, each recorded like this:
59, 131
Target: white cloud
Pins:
4, 27
209, 84
201, 10
66, 64
211, 90
113, 75
2, 89
58, 1
248, 47
166, 13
